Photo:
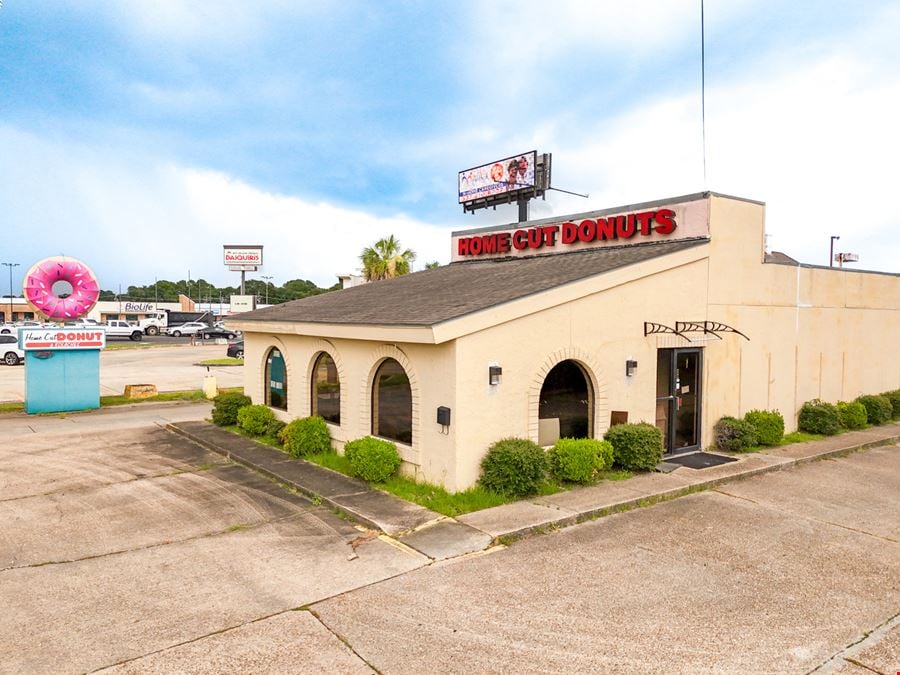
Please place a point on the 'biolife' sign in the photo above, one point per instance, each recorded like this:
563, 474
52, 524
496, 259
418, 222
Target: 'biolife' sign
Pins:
652, 221
31, 339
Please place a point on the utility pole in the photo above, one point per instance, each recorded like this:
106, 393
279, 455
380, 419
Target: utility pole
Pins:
267, 278
10, 266
831, 252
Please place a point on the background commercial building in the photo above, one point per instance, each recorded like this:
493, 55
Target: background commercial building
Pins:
668, 312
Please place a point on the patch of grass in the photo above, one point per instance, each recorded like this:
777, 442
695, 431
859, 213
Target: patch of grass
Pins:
189, 395
331, 460
222, 362
237, 528
12, 406
787, 439
800, 437
436, 498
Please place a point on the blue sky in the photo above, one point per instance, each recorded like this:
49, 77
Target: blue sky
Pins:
141, 136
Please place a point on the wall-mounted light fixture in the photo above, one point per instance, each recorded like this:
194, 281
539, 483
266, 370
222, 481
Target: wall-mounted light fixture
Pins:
630, 367
494, 373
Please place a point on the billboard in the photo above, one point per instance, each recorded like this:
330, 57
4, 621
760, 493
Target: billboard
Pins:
504, 176
248, 258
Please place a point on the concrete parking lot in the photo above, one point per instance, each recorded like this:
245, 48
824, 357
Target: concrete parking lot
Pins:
169, 367
775, 574
121, 540
125, 547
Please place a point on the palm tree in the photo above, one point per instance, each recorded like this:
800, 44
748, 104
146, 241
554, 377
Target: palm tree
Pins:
384, 260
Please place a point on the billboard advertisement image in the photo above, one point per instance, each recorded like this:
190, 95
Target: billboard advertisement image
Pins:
500, 177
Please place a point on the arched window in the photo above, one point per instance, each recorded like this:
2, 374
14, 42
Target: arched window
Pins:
566, 400
276, 380
392, 403
326, 389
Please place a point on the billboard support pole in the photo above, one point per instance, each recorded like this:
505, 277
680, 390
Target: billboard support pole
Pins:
243, 275
523, 209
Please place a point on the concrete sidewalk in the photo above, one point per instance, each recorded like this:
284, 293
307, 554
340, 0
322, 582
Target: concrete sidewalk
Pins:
440, 537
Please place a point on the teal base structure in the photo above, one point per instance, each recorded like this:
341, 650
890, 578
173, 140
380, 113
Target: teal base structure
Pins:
62, 380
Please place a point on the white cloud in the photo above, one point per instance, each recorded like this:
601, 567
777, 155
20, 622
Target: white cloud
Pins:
135, 218
811, 132
301, 239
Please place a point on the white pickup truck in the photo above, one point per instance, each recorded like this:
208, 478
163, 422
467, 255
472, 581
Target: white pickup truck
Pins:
116, 328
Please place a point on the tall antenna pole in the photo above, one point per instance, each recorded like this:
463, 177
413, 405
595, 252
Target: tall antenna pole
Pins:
703, 88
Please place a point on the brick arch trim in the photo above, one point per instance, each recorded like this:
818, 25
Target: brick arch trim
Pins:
376, 358
594, 372
327, 347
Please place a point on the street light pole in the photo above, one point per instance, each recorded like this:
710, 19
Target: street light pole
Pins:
10, 266
831, 252
263, 276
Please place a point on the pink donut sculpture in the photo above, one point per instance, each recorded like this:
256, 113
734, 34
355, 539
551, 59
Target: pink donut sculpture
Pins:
39, 292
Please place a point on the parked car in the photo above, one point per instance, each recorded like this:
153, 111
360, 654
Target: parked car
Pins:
13, 328
189, 328
218, 331
235, 349
9, 348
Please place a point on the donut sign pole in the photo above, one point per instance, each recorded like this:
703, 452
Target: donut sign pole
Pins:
62, 365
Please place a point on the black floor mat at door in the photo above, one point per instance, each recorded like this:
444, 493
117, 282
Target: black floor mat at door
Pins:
699, 460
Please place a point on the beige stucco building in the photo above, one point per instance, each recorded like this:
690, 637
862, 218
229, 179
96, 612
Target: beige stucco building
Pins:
668, 312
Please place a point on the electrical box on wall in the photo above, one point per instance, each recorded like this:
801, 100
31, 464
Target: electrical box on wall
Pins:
443, 416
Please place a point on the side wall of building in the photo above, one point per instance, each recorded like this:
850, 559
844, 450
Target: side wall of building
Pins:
814, 332
430, 370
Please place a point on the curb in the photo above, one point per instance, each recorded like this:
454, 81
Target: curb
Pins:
337, 501
570, 518
330, 503
669, 495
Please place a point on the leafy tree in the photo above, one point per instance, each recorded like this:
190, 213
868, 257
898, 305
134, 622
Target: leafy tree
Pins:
200, 289
432, 265
385, 259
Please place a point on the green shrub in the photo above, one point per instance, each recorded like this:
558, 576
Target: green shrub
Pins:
878, 408
768, 425
579, 460
819, 417
853, 414
372, 459
894, 398
226, 406
514, 467
274, 428
306, 436
636, 447
734, 435
255, 419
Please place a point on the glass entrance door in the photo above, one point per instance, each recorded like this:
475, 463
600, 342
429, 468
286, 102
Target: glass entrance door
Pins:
678, 378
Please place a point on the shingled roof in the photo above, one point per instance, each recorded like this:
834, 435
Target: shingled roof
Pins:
434, 296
